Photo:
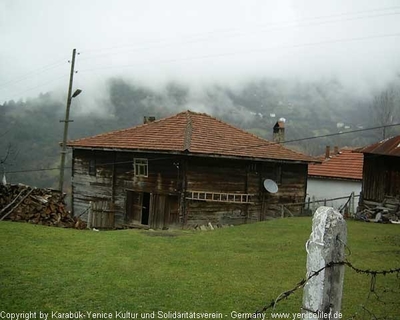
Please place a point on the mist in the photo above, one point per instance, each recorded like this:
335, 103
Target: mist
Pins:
198, 44
319, 64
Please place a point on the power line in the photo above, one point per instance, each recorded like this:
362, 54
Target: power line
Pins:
262, 26
42, 84
266, 143
345, 132
33, 73
35, 170
308, 21
220, 55
103, 164
237, 33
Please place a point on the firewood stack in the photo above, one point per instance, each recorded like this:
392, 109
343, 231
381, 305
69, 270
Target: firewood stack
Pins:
386, 211
37, 206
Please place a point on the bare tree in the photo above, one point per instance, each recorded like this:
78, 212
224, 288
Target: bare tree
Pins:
385, 108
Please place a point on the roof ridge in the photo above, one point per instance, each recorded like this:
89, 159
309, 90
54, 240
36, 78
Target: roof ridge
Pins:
388, 147
335, 155
195, 132
344, 165
126, 129
236, 128
264, 141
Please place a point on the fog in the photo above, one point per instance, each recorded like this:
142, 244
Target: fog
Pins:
195, 43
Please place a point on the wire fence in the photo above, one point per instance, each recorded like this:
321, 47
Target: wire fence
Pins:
385, 296
309, 206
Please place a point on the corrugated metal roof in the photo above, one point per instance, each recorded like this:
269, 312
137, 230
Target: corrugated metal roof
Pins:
196, 133
344, 165
387, 147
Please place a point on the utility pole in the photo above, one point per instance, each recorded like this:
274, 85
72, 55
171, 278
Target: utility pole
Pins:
66, 122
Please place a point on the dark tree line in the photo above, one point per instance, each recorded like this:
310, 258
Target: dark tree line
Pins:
30, 131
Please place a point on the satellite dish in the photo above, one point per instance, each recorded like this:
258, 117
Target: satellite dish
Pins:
270, 186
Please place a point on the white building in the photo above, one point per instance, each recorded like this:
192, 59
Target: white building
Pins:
339, 174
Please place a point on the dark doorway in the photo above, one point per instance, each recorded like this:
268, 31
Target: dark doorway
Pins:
145, 208
128, 207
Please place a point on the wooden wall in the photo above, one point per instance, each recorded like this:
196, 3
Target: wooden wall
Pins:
85, 187
234, 176
292, 189
381, 177
115, 176
170, 176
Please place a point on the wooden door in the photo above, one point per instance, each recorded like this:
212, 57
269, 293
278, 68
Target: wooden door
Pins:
134, 204
157, 207
173, 211
164, 211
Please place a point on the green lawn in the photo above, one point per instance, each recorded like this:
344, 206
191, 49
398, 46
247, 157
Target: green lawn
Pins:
239, 268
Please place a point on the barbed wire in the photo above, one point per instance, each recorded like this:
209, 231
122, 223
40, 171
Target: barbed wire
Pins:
303, 282
367, 311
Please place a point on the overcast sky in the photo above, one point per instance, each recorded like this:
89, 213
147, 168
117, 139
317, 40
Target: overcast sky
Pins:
195, 42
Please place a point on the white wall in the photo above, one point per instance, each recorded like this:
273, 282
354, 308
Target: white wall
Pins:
329, 188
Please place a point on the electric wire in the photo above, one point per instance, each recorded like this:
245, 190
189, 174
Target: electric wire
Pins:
269, 25
53, 80
34, 72
297, 21
227, 54
266, 143
237, 34
307, 21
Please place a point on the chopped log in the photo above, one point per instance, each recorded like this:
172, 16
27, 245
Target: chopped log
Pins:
12, 208
34, 205
11, 203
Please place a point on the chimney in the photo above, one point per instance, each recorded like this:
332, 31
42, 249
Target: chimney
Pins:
279, 131
327, 152
148, 119
335, 150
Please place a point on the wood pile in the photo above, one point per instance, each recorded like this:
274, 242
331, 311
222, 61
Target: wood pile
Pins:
386, 211
37, 206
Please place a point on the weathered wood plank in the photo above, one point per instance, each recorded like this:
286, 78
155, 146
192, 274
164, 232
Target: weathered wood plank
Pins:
171, 176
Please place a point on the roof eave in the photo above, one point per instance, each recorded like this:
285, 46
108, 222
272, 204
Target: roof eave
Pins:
192, 154
334, 178
208, 155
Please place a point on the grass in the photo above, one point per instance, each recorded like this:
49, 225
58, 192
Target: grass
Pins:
240, 268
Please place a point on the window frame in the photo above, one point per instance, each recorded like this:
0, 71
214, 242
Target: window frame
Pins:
140, 165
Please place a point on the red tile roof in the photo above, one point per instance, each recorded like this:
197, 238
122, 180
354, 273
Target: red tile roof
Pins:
344, 165
195, 133
387, 147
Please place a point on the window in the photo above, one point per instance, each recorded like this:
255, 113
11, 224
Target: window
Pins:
92, 167
141, 167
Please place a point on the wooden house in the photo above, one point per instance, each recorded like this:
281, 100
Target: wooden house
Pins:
336, 177
381, 174
185, 170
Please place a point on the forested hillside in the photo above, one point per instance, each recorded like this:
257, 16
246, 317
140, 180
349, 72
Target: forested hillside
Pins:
30, 131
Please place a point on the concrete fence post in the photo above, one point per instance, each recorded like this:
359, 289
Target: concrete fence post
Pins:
322, 296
